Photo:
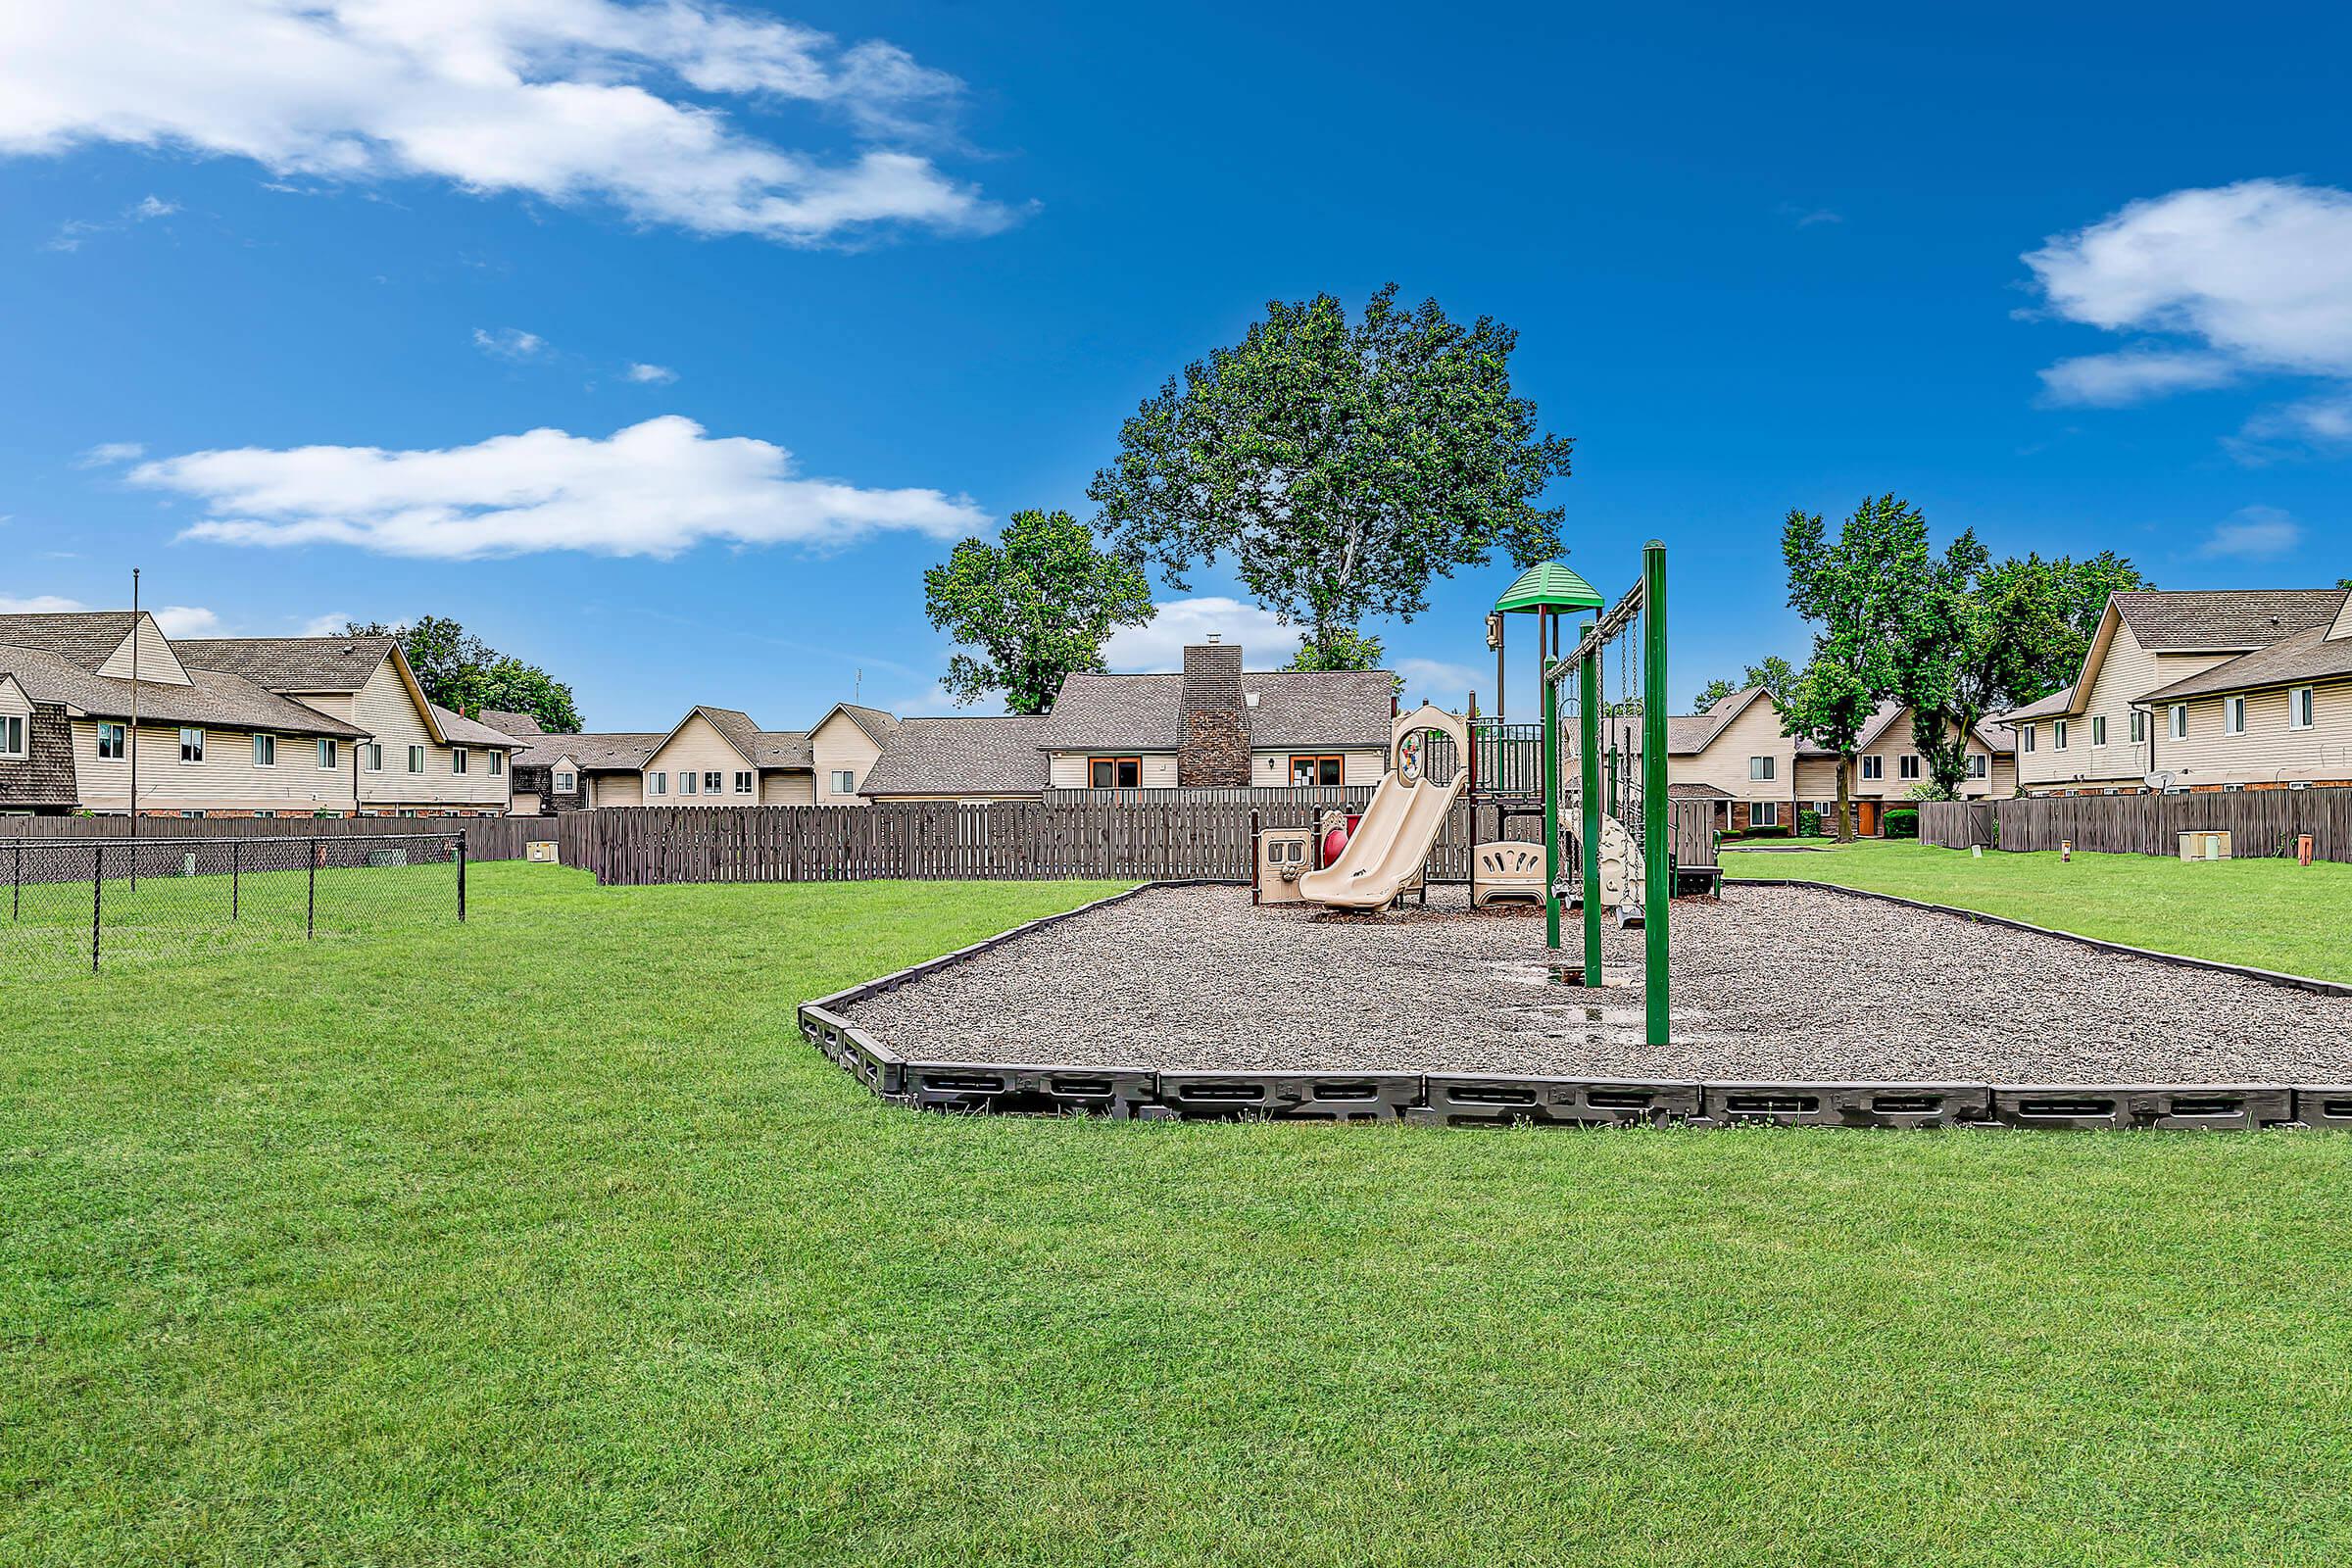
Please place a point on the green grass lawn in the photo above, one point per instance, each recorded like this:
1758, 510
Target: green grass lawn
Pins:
548, 1241
2272, 913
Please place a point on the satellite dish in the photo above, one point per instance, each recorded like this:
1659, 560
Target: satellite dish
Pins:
2160, 781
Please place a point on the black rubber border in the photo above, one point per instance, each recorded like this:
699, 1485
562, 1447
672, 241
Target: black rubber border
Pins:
1503, 1099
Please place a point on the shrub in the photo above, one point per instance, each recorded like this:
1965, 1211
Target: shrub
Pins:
1902, 825
1808, 824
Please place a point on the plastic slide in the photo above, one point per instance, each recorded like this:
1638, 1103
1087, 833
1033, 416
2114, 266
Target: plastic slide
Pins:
1392, 843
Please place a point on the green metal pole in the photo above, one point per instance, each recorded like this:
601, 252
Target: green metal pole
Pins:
1658, 804
1588, 725
1551, 786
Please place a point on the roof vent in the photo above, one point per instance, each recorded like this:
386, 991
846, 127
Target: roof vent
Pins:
1251, 698
1213, 637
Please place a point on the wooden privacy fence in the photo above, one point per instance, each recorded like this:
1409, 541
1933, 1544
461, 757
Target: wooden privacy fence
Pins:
1188, 839
2259, 822
487, 838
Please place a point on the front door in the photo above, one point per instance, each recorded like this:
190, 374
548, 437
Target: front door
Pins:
1866, 818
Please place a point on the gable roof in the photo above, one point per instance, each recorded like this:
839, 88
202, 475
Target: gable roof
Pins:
463, 731
1688, 734
2308, 656
290, 663
967, 756
598, 752
2223, 619
2056, 705
83, 637
511, 723
1293, 708
215, 697
877, 725
761, 748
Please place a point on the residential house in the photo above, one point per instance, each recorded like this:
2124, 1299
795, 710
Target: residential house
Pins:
712, 757
970, 759
1889, 769
2205, 689
843, 747
414, 757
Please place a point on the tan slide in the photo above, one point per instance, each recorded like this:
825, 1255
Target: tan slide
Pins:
1392, 843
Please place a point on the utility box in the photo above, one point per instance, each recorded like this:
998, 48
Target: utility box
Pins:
2205, 846
540, 852
1282, 859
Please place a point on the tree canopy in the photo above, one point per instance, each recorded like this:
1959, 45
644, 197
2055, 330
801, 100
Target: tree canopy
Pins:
1035, 606
463, 673
1337, 465
1775, 674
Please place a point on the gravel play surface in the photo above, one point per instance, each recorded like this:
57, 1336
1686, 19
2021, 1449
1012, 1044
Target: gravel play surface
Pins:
1771, 983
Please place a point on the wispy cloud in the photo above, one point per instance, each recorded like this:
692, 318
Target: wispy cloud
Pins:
40, 605
1442, 684
105, 454
656, 488
1811, 216
176, 620
71, 234
510, 343
2254, 533
1158, 644
585, 101
330, 624
651, 374
2211, 285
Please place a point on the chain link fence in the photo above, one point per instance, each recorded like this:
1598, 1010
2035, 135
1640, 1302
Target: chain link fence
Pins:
86, 905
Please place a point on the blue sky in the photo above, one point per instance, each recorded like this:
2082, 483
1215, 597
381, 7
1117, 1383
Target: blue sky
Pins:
286, 296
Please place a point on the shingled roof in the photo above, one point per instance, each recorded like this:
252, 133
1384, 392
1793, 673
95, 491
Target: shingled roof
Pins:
290, 663
84, 637
593, 751
464, 731
508, 723
217, 697
971, 755
1293, 708
2224, 620
878, 725
2308, 656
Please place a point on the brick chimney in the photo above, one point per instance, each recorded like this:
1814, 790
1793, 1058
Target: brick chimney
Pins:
1216, 728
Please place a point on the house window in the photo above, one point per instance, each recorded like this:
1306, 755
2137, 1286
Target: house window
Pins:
1980, 766
330, 752
2233, 716
2025, 735
111, 741
2098, 729
1115, 772
2298, 708
1315, 771
191, 746
1874, 767
12, 735
713, 782
498, 763
563, 783
689, 782
845, 781
460, 760
1764, 814
1909, 765
660, 783
743, 781
2057, 734
415, 759
2139, 727
371, 757
1760, 767
264, 751
2177, 720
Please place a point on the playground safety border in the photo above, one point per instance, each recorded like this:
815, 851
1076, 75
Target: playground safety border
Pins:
1505, 1100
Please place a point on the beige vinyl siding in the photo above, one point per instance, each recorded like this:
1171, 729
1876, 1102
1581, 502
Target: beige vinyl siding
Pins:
2268, 751
2126, 673
157, 662
15, 704
2004, 777
1066, 771
1725, 763
226, 781
1270, 767
618, 789
525, 804
780, 788
698, 747
387, 711
1817, 778
838, 743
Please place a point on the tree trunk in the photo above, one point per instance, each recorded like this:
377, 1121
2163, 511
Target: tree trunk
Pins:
1845, 798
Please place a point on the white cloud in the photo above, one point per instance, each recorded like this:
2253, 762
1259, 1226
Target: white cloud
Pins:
2322, 424
40, 605
186, 620
151, 207
938, 702
655, 488
2254, 277
1444, 684
1158, 644
652, 374
569, 101
2110, 380
69, 233
330, 624
2254, 533
105, 454
510, 343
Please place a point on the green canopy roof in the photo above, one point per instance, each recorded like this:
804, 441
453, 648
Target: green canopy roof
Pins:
1549, 585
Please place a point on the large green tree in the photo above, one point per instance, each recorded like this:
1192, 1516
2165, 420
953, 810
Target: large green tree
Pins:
1775, 675
1034, 606
1337, 465
463, 673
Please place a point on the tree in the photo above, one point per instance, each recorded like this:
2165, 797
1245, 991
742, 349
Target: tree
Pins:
1338, 467
464, 674
1713, 692
1345, 650
1860, 589
1036, 607
1828, 703
1775, 675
